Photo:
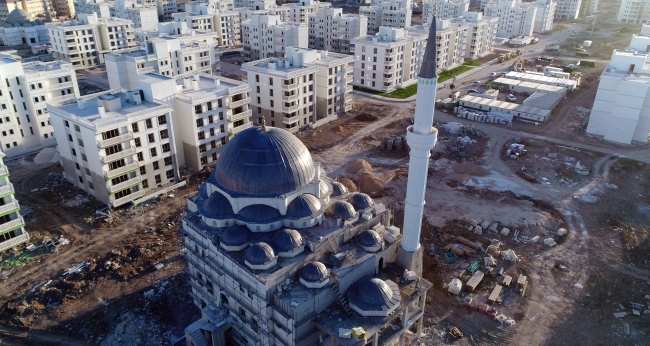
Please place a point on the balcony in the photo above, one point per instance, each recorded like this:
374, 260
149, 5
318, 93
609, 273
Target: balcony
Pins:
290, 98
118, 155
148, 69
291, 86
289, 121
235, 104
3, 170
348, 88
7, 189
289, 109
125, 184
111, 141
57, 86
15, 223
240, 115
128, 198
9, 207
240, 128
119, 171
15, 241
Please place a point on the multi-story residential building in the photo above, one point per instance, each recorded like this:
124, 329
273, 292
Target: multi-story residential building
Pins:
263, 8
20, 29
444, 9
142, 16
165, 9
546, 10
24, 120
588, 7
389, 13
164, 56
84, 42
116, 146
308, 87
568, 9
210, 111
299, 12
266, 36
177, 30
99, 7
12, 225
64, 8
634, 12
515, 18
331, 30
208, 18
481, 32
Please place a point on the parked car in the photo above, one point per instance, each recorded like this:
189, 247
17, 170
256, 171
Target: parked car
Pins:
512, 98
493, 74
503, 73
473, 91
478, 82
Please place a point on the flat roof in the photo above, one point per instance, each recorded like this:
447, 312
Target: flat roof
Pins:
543, 100
40, 66
506, 105
540, 78
527, 84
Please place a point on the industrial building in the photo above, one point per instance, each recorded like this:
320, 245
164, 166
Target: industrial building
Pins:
619, 113
540, 78
24, 120
117, 146
306, 88
520, 86
266, 36
280, 254
520, 111
12, 225
388, 13
331, 30
83, 42
21, 29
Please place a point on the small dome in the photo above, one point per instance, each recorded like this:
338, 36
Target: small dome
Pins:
286, 240
339, 189
18, 16
259, 254
373, 294
259, 213
303, 206
368, 238
235, 236
323, 188
361, 201
268, 162
314, 272
217, 206
340, 209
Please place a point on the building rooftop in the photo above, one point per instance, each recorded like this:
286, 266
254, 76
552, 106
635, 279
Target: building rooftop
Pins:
540, 78
209, 86
40, 66
506, 105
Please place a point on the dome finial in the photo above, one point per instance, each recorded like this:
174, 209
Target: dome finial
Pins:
264, 124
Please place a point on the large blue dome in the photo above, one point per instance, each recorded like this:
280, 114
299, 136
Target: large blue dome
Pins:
267, 162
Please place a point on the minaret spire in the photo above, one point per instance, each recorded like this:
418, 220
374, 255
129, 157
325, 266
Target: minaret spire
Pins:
421, 138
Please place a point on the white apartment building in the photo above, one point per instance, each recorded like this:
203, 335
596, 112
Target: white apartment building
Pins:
142, 16
202, 17
588, 7
266, 36
546, 11
306, 88
100, 7
568, 9
515, 18
446, 9
177, 30
331, 30
389, 13
481, 32
64, 8
264, 8
24, 120
208, 111
165, 9
164, 56
634, 12
299, 12
620, 112
116, 146
84, 42
12, 225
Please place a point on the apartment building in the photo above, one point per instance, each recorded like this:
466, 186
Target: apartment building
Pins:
142, 16
481, 32
299, 12
83, 42
389, 13
24, 120
568, 9
12, 225
165, 9
266, 36
205, 18
588, 7
64, 8
515, 18
546, 11
331, 30
634, 12
100, 7
445, 9
263, 8
306, 88
210, 111
165, 56
116, 146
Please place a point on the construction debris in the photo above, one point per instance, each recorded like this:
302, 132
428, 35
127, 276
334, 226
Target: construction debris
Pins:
509, 255
550, 242
561, 232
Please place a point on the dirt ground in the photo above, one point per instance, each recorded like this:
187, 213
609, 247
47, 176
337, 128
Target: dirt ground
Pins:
119, 297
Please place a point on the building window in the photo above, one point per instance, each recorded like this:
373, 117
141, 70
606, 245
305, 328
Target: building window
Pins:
134, 126
137, 142
149, 123
153, 152
166, 148
143, 170
162, 120
151, 138
202, 148
168, 161
158, 180
145, 184
155, 165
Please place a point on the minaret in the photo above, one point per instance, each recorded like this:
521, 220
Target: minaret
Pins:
421, 138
